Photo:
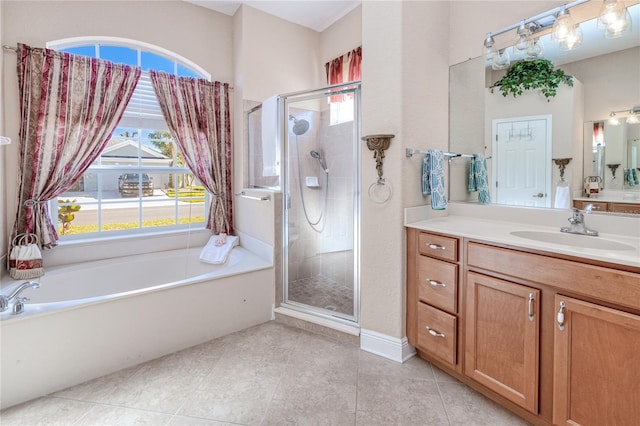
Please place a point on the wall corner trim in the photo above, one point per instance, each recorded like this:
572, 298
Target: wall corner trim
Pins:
390, 347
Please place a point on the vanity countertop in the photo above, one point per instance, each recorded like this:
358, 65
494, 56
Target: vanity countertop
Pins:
500, 232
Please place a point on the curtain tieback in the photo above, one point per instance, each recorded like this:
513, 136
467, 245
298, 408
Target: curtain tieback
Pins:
33, 202
219, 195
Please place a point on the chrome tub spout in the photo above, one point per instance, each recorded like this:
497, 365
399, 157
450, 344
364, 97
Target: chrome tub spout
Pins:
5, 300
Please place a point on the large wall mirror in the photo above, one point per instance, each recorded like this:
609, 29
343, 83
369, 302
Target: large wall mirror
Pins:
543, 152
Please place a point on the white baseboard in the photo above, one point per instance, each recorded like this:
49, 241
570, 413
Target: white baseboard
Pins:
395, 349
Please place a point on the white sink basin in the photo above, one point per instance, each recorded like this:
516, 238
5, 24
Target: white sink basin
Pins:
576, 240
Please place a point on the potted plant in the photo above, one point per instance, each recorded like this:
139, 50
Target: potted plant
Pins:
531, 75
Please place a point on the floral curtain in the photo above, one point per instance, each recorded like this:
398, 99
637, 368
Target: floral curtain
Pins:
69, 106
342, 69
334, 75
355, 64
197, 113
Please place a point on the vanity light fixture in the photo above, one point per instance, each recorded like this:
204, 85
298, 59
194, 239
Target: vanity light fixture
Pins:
614, 18
632, 118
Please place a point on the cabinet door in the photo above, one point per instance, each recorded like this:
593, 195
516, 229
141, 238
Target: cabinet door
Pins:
596, 377
501, 338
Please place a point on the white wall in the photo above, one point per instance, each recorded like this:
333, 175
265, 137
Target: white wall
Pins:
198, 34
341, 37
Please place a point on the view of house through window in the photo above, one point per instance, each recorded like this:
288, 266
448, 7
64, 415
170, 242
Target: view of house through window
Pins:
140, 182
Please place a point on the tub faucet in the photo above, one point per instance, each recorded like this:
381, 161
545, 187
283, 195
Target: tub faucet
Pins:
577, 222
5, 300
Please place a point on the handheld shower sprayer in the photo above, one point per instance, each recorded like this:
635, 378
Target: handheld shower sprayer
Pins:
317, 156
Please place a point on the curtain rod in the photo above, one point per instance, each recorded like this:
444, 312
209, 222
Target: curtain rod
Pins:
15, 49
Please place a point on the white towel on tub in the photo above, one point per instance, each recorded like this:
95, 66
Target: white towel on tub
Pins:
212, 253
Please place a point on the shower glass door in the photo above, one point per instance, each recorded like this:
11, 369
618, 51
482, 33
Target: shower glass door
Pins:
321, 202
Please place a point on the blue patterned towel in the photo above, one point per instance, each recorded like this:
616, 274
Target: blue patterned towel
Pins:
631, 177
433, 178
480, 178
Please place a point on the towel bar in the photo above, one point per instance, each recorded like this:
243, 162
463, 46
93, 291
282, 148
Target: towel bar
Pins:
410, 151
252, 197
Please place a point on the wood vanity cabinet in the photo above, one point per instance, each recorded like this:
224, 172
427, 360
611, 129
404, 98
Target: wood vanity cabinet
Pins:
501, 332
501, 338
596, 367
601, 206
434, 296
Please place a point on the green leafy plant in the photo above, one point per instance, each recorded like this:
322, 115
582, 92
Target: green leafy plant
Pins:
66, 214
531, 75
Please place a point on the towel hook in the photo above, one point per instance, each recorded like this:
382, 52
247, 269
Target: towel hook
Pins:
561, 163
378, 144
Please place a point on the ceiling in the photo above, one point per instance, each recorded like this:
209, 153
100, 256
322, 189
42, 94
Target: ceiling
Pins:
315, 14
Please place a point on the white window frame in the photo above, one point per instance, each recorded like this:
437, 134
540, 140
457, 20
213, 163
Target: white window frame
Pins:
140, 121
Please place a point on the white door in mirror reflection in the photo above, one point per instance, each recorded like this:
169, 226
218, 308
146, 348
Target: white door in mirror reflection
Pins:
521, 161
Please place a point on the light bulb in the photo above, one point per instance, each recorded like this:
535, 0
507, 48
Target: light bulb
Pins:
613, 120
488, 47
633, 119
614, 18
522, 39
501, 60
562, 26
572, 40
534, 50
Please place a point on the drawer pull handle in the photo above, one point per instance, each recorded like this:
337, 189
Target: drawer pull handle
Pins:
561, 316
435, 283
531, 315
435, 246
434, 333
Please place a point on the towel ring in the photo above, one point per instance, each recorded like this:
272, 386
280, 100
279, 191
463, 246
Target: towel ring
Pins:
380, 191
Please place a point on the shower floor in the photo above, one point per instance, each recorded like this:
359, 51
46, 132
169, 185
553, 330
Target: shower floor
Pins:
322, 292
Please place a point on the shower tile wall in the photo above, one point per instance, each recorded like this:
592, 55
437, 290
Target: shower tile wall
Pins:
328, 254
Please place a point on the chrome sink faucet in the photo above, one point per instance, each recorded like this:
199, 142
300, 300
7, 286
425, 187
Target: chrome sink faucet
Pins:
577, 222
5, 300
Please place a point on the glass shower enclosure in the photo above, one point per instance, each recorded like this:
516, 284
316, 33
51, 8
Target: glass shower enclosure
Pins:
320, 144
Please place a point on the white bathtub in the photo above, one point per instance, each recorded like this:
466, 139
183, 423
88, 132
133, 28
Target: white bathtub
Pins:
94, 318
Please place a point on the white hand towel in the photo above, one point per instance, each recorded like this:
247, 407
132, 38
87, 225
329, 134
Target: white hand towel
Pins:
563, 198
218, 254
270, 145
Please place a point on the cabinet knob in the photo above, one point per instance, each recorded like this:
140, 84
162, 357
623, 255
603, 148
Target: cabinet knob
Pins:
435, 283
435, 246
434, 333
561, 316
530, 306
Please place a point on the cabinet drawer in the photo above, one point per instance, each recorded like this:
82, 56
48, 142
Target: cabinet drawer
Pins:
437, 333
605, 284
438, 283
624, 208
438, 246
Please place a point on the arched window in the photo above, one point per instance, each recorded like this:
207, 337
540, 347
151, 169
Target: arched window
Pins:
140, 183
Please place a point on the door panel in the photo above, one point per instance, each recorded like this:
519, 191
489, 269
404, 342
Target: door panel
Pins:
521, 161
501, 338
596, 374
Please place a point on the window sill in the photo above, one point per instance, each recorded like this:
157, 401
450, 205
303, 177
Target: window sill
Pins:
85, 250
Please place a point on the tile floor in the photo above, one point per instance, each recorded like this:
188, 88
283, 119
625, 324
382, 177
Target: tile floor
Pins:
271, 374
322, 292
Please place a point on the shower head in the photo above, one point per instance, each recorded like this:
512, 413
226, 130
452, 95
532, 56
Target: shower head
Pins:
317, 156
300, 126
